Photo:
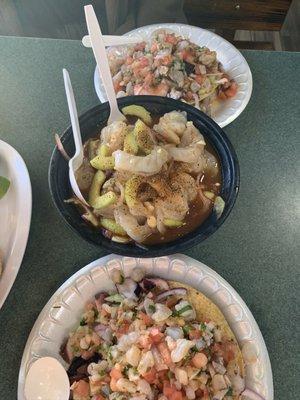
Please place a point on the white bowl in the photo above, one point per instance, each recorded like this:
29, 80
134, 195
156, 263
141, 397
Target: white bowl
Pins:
63, 311
232, 60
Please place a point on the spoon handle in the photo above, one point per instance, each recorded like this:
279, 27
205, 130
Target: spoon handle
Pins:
102, 62
73, 114
112, 40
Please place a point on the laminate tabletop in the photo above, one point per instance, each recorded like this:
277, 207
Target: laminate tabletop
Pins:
257, 248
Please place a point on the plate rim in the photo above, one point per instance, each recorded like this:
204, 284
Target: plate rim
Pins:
17, 249
230, 118
101, 262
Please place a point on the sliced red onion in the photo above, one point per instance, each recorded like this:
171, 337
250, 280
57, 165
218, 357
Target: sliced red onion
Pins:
99, 299
128, 288
174, 332
172, 292
60, 148
252, 395
104, 332
219, 368
157, 282
237, 383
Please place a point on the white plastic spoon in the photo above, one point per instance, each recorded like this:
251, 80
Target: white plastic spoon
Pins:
102, 63
111, 40
47, 380
77, 160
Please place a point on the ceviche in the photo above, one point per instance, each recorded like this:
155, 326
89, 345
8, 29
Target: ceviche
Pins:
171, 65
153, 339
149, 179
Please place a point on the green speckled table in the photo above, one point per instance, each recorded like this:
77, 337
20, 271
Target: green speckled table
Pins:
256, 250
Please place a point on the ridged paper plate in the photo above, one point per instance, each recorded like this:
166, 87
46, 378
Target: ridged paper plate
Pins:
232, 60
62, 312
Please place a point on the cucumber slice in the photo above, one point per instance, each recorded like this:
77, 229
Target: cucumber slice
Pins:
143, 137
138, 111
130, 144
172, 223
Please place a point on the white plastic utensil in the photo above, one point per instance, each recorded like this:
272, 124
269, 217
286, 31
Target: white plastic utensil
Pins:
47, 380
111, 40
102, 62
77, 160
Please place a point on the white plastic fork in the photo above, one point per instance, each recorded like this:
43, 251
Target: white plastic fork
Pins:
102, 63
77, 160
112, 40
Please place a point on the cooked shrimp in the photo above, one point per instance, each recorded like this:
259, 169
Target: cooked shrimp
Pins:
158, 90
113, 135
130, 224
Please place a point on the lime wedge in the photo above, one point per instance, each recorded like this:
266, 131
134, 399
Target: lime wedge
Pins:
4, 186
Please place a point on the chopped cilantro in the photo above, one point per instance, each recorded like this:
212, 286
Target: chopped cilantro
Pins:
122, 279
194, 349
186, 329
114, 340
126, 369
96, 313
102, 372
83, 322
114, 298
229, 392
202, 326
170, 374
176, 313
152, 308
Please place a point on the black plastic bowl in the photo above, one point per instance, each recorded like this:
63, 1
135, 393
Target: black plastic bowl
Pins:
96, 118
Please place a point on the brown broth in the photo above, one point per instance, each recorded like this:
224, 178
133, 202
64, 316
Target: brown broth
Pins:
196, 215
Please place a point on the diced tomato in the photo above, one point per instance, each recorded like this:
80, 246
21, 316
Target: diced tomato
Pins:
139, 46
150, 376
189, 96
176, 395
117, 88
99, 397
143, 62
145, 318
123, 329
154, 47
222, 95
129, 60
82, 388
115, 373
163, 375
113, 385
195, 334
171, 392
156, 335
231, 91
165, 352
167, 388
186, 55
170, 39
145, 341
199, 79
199, 393
166, 60
227, 350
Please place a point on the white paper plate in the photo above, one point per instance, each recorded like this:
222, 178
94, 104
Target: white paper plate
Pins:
233, 62
65, 307
15, 216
